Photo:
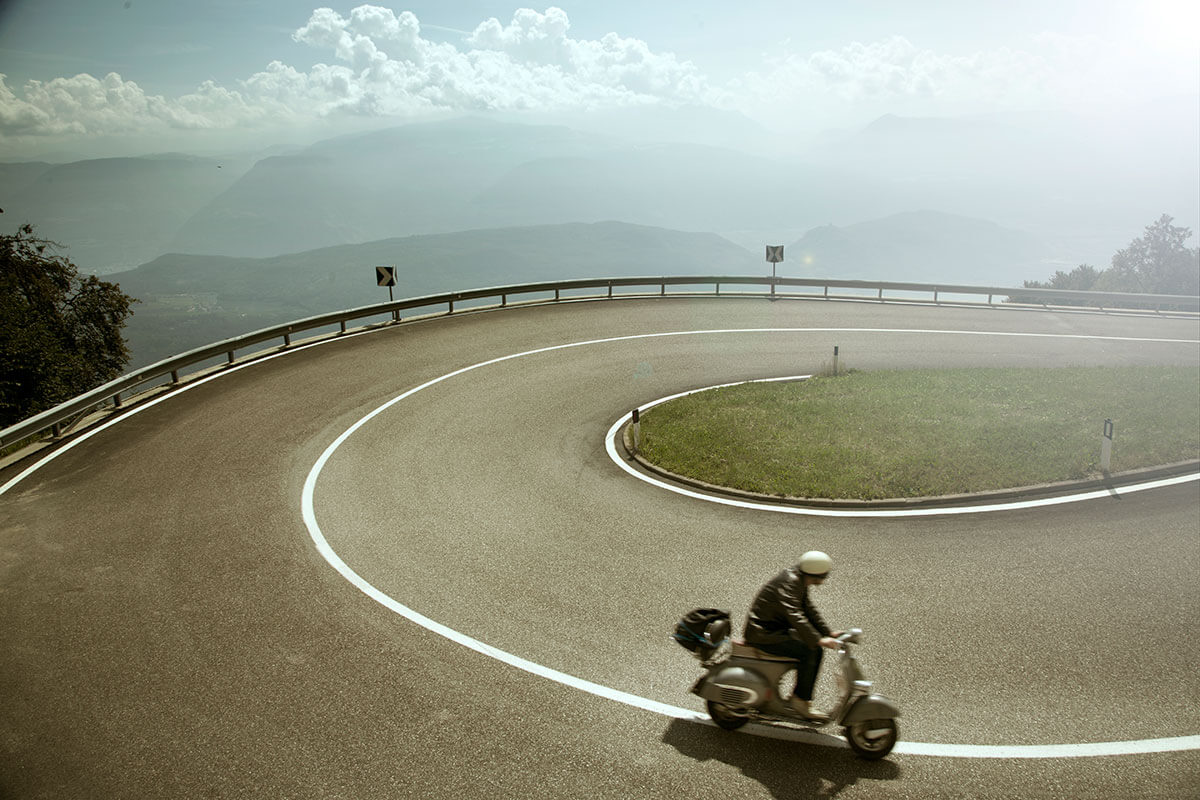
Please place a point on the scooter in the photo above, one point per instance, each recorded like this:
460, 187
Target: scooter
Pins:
741, 684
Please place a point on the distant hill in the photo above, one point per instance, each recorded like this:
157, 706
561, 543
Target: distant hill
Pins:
415, 179
15, 180
472, 173
114, 213
1086, 183
1084, 194
921, 247
683, 186
189, 300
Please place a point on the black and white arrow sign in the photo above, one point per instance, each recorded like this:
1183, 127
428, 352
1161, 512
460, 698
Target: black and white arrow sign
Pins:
385, 276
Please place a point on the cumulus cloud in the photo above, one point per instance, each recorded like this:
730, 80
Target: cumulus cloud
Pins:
84, 104
896, 74
529, 63
376, 63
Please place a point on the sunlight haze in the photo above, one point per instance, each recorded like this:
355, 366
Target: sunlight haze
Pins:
240, 164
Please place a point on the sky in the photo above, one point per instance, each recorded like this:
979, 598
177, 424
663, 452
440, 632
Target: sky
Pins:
125, 76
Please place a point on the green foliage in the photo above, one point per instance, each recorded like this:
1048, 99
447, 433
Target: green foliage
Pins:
1082, 278
1158, 262
60, 332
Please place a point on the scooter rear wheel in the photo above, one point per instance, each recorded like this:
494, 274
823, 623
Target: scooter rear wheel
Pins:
873, 739
724, 717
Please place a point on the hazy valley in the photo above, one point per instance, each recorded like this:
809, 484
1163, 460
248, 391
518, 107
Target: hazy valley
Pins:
213, 247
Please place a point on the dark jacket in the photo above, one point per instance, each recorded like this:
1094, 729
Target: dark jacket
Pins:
782, 611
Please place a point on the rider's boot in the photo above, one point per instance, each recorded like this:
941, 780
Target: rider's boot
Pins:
804, 708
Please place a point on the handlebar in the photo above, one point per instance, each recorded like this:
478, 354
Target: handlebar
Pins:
852, 636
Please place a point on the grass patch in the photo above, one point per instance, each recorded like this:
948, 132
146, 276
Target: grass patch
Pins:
915, 433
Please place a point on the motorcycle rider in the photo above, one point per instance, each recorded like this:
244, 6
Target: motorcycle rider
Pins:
784, 622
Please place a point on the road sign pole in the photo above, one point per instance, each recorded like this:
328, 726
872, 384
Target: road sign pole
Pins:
774, 255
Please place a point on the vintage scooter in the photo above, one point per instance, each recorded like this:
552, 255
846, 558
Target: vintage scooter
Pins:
741, 684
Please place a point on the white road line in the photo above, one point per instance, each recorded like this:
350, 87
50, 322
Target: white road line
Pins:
1177, 743
1087, 749
610, 445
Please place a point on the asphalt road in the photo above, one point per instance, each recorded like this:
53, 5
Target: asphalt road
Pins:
170, 628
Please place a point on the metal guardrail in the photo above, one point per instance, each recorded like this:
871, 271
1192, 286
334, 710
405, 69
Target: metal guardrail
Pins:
54, 418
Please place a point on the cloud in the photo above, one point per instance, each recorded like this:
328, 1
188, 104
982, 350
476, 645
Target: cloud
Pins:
529, 63
1052, 71
376, 63
382, 66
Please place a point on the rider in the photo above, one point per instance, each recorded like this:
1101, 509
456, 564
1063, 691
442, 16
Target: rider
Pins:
783, 622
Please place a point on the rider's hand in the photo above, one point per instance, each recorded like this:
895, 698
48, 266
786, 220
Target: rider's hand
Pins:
830, 642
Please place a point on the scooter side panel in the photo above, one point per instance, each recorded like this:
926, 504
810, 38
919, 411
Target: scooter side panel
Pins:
733, 685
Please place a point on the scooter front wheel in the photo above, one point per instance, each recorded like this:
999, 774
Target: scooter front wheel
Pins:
724, 717
873, 739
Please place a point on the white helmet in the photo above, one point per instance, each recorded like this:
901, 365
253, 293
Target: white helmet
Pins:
815, 563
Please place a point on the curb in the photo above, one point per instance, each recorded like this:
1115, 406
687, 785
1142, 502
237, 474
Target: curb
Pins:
1108, 481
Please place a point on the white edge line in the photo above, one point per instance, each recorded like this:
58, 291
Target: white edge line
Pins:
912, 748
611, 447
813, 737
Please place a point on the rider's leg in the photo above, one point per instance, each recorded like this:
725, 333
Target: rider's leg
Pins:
808, 663
807, 668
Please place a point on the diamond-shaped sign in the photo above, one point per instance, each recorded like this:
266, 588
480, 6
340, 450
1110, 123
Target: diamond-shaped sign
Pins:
774, 253
385, 276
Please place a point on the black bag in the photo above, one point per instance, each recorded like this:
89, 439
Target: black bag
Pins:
702, 630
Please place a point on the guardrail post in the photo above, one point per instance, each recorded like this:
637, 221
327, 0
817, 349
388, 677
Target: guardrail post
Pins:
935, 294
174, 376
662, 290
881, 294
718, 289
287, 340
503, 301
451, 303
556, 295
343, 326
230, 354
117, 400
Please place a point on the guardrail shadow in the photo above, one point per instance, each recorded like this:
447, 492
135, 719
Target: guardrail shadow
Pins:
787, 769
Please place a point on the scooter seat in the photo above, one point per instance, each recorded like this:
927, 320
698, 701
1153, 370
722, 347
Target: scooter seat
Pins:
743, 650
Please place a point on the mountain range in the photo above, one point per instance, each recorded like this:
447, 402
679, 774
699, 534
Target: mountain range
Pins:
1043, 176
218, 246
190, 300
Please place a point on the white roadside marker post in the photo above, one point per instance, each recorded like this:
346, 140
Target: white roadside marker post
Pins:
835, 360
1106, 442
637, 432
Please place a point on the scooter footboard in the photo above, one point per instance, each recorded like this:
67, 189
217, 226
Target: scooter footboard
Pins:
873, 706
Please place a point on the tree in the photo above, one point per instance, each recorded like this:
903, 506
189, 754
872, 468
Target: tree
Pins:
60, 332
1158, 262
1081, 278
